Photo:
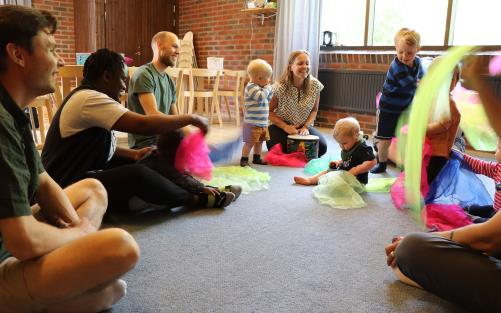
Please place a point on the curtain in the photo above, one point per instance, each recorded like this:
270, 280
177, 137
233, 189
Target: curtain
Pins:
297, 28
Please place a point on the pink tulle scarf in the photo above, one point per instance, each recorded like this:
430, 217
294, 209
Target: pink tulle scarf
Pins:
192, 156
277, 157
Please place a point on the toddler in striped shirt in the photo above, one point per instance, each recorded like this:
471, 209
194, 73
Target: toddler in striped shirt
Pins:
256, 110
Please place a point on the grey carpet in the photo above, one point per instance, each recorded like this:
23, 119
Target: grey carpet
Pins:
272, 251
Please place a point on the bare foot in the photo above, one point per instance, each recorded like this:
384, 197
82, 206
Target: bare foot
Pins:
303, 180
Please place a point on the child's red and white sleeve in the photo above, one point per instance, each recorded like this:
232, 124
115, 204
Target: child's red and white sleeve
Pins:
488, 169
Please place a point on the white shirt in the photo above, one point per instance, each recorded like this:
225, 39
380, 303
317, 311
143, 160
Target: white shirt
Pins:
90, 108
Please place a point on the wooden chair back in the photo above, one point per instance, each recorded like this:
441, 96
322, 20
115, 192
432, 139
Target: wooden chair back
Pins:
204, 83
69, 78
177, 76
41, 113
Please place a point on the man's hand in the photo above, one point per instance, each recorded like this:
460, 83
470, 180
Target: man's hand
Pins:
85, 226
59, 218
200, 122
390, 251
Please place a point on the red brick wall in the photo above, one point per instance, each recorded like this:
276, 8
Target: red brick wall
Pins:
370, 61
65, 35
328, 117
220, 29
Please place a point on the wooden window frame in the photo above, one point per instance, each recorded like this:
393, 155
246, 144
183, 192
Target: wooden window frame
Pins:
369, 22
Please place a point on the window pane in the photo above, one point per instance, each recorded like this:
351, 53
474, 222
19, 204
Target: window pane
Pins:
477, 23
346, 19
427, 17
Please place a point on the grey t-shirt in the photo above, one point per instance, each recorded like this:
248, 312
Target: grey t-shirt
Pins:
147, 79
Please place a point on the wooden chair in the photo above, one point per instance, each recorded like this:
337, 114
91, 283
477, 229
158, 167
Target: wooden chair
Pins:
131, 70
177, 76
232, 84
124, 95
69, 78
204, 83
43, 107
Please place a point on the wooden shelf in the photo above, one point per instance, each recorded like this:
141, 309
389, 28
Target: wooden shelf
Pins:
259, 11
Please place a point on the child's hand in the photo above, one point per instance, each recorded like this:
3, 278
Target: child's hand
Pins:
333, 165
353, 171
140, 154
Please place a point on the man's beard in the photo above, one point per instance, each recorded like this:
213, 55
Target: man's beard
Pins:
167, 61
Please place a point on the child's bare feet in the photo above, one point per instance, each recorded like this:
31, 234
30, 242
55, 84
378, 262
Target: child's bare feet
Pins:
303, 180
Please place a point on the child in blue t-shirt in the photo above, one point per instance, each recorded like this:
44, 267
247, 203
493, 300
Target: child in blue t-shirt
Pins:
256, 110
398, 91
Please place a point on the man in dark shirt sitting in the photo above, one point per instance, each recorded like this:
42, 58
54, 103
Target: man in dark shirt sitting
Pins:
52, 256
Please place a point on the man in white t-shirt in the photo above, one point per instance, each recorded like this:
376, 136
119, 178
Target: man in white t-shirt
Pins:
80, 142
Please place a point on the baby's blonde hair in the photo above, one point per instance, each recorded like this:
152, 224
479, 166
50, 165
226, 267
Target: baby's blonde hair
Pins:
411, 37
259, 68
347, 127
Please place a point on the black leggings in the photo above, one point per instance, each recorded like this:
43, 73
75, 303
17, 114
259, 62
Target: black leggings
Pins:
122, 182
434, 167
452, 271
278, 135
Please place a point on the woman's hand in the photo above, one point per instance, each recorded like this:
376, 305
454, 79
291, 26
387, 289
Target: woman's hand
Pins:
291, 130
390, 251
303, 131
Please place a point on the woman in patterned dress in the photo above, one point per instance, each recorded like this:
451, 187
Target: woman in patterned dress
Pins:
294, 105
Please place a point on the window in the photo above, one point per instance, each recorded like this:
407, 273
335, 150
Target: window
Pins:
441, 23
477, 23
345, 19
392, 15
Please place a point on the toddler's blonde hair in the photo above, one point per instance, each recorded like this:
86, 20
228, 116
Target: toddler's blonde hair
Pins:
347, 127
259, 68
411, 37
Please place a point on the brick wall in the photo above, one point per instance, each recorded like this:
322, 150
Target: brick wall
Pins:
327, 116
220, 29
65, 35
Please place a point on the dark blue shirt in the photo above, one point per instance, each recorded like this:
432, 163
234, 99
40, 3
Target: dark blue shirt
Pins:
400, 86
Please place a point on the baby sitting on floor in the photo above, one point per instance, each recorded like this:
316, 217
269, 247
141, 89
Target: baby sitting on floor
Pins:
162, 161
356, 156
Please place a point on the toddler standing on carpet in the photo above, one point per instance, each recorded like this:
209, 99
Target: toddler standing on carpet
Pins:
356, 156
256, 110
398, 91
